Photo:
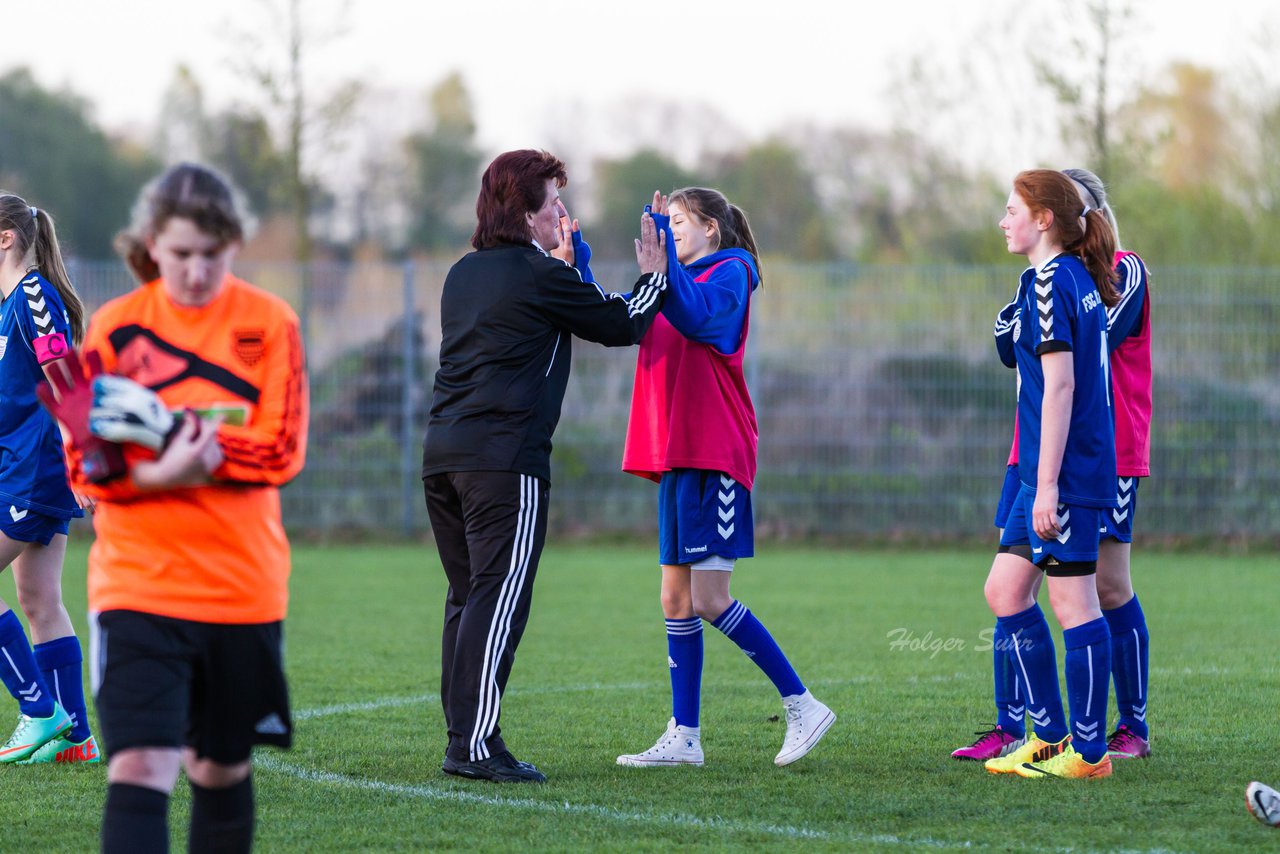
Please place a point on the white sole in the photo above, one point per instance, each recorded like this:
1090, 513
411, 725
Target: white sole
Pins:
809, 743
629, 762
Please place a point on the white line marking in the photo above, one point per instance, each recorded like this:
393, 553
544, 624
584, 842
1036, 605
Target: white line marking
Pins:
589, 810
559, 807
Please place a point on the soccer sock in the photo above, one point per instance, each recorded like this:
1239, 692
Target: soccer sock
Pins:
1035, 663
135, 818
1129, 663
60, 661
741, 626
1088, 672
222, 819
18, 669
1011, 710
684, 658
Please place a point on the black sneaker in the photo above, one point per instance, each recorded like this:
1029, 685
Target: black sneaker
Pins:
501, 768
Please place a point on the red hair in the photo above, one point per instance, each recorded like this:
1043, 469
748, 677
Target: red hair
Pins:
514, 184
1094, 243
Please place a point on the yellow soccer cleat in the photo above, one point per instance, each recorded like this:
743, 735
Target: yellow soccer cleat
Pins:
1035, 750
1066, 764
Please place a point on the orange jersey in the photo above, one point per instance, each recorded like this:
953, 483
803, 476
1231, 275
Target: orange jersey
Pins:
215, 553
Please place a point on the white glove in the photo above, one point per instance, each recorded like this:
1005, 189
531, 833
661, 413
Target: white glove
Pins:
124, 411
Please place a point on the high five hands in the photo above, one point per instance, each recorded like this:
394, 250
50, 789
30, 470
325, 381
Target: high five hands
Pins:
651, 248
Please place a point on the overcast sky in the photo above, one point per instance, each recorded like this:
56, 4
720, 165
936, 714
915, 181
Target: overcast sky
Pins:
763, 65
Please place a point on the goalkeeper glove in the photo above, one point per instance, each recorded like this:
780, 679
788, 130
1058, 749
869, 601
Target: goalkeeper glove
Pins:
69, 396
126, 411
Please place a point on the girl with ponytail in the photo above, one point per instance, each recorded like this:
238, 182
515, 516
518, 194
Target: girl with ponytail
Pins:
1129, 343
1066, 460
41, 318
693, 430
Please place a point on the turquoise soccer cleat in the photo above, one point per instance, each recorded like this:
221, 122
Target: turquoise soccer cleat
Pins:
32, 734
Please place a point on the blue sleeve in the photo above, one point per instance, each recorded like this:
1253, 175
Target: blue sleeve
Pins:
1124, 317
711, 312
1056, 305
1008, 325
582, 257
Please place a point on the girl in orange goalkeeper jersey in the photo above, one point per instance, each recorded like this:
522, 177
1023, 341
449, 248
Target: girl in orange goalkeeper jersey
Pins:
187, 577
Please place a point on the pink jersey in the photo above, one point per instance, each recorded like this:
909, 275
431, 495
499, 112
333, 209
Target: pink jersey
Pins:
690, 408
1130, 378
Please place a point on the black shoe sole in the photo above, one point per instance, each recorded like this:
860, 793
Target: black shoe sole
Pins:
476, 771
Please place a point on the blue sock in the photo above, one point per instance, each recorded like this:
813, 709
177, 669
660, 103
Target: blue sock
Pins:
1035, 663
740, 626
1129, 663
18, 669
1088, 672
1011, 709
684, 657
59, 660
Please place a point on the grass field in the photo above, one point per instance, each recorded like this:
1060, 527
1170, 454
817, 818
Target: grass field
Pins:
591, 682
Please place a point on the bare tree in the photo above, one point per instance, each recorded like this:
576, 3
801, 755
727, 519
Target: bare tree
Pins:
276, 58
1086, 98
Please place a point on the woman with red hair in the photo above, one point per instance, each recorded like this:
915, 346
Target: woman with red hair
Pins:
508, 313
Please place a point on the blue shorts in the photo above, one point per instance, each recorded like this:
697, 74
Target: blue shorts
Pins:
1008, 495
28, 526
1118, 523
1076, 544
701, 514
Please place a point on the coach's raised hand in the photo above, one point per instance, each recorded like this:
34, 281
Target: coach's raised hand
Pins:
651, 248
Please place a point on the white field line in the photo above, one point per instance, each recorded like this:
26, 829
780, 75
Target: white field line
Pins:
450, 794
434, 793
416, 699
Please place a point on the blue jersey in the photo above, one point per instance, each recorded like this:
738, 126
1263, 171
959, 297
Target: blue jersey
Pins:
33, 475
1061, 311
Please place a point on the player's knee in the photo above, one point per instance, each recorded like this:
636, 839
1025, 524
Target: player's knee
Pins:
1112, 593
215, 775
154, 768
711, 607
42, 605
677, 604
1002, 600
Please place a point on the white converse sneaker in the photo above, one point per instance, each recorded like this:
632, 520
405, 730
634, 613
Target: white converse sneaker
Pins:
807, 721
679, 745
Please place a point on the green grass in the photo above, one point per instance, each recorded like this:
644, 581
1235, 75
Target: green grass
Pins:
591, 682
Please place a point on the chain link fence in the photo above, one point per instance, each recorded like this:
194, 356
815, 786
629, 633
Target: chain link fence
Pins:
884, 413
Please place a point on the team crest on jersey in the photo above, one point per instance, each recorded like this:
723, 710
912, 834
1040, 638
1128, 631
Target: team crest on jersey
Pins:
4, 344
250, 345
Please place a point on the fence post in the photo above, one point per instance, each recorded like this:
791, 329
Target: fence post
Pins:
410, 469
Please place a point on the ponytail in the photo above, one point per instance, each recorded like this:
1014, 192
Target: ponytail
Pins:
1097, 249
743, 237
38, 240
49, 263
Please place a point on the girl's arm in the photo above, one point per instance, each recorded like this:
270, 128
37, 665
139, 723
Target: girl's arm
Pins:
1055, 421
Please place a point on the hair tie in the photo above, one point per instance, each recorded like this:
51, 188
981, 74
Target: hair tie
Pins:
35, 212
1084, 218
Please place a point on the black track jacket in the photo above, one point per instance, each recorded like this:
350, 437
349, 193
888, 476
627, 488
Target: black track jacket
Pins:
507, 315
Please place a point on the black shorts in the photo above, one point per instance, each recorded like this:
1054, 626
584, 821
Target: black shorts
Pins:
164, 682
